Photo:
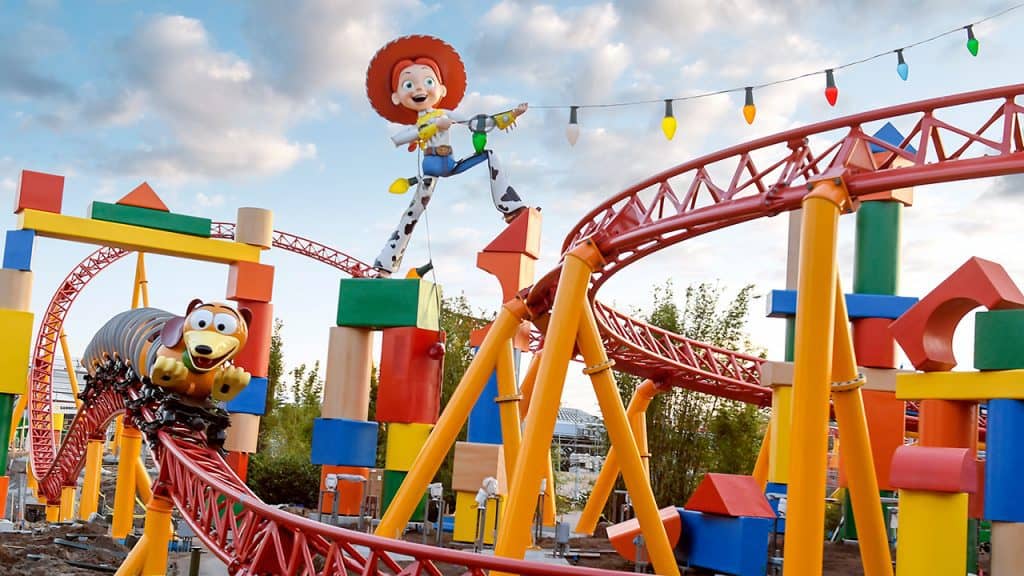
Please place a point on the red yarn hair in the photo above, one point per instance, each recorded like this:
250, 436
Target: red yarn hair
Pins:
403, 64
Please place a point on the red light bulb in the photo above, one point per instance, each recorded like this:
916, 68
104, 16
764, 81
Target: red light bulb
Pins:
831, 91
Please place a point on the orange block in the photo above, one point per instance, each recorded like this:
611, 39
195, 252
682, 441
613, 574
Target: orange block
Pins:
350, 492
926, 469
730, 495
948, 423
925, 331
621, 535
976, 500
255, 356
886, 418
873, 343
250, 281
143, 197
513, 271
521, 236
39, 191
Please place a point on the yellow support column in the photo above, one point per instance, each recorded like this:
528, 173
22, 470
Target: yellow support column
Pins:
67, 503
815, 316
124, 490
143, 485
52, 512
132, 564
508, 406
760, 472
89, 501
781, 423
70, 367
856, 447
451, 421
526, 393
115, 442
157, 531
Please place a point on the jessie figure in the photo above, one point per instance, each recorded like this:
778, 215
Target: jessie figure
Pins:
419, 81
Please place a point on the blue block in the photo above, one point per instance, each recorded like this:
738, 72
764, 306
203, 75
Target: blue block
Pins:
485, 419
731, 545
252, 399
890, 135
772, 491
18, 249
782, 304
343, 442
1004, 464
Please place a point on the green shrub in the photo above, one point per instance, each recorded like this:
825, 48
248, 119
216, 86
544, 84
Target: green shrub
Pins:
285, 479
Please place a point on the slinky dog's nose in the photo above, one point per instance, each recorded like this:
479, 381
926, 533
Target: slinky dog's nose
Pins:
204, 349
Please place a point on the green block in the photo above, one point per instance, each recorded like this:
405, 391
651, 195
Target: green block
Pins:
389, 303
392, 481
146, 218
877, 252
6, 411
972, 546
790, 338
849, 529
999, 340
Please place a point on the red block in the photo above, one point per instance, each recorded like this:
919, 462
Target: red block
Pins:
239, 462
621, 535
521, 236
925, 331
934, 469
255, 356
350, 492
730, 495
143, 197
410, 375
873, 343
250, 281
886, 417
39, 191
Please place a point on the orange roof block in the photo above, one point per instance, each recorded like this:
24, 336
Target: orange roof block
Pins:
621, 535
730, 495
930, 469
143, 197
521, 236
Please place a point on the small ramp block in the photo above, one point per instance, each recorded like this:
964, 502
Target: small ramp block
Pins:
933, 469
147, 218
39, 191
252, 399
250, 281
143, 196
727, 545
379, 303
342, 442
15, 350
998, 340
621, 535
521, 236
18, 249
404, 442
730, 495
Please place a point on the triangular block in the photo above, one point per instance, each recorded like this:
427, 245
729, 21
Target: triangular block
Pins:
890, 135
521, 236
730, 495
143, 197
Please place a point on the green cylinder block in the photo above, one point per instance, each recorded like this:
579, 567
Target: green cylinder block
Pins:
392, 481
972, 546
999, 340
877, 252
790, 338
6, 411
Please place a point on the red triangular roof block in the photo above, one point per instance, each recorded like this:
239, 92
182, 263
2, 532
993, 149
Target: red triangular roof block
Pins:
521, 236
730, 495
144, 197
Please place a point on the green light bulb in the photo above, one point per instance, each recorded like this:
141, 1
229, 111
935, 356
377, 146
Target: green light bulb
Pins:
972, 42
479, 141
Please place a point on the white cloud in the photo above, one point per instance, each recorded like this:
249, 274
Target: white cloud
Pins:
213, 201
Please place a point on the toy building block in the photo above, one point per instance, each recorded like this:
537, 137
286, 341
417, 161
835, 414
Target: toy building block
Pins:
1007, 548
892, 136
243, 434
255, 355
412, 360
475, 462
874, 345
622, 535
347, 377
255, 226
933, 534
521, 236
925, 332
15, 290
730, 495
775, 373
976, 501
513, 271
147, 218
18, 249
485, 418
467, 516
877, 251
1004, 464
350, 492
392, 482
252, 399
386, 303
999, 340
886, 417
143, 196
39, 191
15, 350
341, 442
135, 238
974, 386
250, 281
725, 544
782, 303
404, 444
930, 469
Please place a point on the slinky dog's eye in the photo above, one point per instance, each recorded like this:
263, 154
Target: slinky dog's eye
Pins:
225, 323
200, 319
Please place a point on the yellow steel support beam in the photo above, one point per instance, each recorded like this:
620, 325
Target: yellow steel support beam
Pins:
760, 472
132, 564
67, 503
124, 490
143, 485
508, 406
89, 501
157, 530
69, 365
780, 447
140, 288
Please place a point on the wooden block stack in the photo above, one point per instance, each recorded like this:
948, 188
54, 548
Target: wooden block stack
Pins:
475, 462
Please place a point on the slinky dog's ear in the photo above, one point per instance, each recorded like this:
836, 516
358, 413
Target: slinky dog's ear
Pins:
246, 315
170, 336
193, 305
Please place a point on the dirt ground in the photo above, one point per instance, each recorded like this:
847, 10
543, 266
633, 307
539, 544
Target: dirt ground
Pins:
36, 553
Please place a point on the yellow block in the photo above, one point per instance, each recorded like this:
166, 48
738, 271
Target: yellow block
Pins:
15, 350
780, 445
136, 238
961, 385
933, 534
404, 443
466, 518
15, 289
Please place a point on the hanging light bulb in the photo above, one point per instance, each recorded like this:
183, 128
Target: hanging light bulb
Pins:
901, 65
972, 42
668, 123
749, 110
831, 91
572, 130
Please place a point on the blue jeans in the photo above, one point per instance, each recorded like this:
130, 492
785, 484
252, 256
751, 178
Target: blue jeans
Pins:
442, 166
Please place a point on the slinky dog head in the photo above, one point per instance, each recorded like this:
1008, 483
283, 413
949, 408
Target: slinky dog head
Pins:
213, 333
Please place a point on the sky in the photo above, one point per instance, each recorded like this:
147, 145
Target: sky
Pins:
262, 103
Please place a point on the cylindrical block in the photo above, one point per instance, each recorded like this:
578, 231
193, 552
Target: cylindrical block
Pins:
874, 344
1007, 548
255, 226
877, 252
243, 433
15, 290
933, 534
1004, 466
949, 424
347, 380
255, 356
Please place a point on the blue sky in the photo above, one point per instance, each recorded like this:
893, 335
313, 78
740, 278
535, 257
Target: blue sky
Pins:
221, 105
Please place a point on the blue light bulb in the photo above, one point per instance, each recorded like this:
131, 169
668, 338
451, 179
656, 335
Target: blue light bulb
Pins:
901, 67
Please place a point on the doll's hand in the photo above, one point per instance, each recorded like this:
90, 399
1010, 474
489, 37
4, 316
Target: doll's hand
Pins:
520, 110
443, 123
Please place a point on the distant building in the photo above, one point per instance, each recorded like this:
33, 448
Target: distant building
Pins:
63, 399
580, 439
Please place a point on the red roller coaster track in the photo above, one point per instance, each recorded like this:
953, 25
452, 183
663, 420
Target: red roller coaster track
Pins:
631, 225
